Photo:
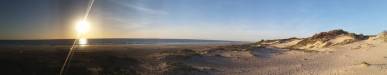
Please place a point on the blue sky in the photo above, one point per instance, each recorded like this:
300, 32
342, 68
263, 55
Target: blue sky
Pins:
243, 20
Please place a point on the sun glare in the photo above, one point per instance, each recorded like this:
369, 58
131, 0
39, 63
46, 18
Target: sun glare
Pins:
82, 41
82, 27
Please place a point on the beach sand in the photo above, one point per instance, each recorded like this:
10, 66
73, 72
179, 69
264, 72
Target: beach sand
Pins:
87, 60
366, 57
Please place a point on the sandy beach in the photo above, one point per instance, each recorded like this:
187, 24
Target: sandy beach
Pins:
87, 60
337, 52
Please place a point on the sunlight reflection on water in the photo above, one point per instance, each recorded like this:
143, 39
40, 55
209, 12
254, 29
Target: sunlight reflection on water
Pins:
82, 41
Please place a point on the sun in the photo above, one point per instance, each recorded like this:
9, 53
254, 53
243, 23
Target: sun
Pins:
82, 27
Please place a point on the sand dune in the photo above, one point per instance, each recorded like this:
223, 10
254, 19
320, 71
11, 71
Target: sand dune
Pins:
274, 57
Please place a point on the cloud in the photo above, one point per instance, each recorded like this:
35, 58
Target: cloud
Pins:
148, 10
142, 8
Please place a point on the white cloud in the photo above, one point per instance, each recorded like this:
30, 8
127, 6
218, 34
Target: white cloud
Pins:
142, 8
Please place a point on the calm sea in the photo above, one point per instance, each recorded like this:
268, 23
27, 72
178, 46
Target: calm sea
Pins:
117, 42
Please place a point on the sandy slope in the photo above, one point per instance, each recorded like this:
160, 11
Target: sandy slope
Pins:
335, 52
368, 57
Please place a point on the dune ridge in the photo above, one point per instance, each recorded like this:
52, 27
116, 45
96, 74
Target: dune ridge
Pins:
335, 52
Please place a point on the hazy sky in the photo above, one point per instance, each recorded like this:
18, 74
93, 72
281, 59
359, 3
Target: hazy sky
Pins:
244, 20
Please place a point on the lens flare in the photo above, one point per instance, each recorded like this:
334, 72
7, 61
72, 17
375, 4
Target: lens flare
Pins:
82, 27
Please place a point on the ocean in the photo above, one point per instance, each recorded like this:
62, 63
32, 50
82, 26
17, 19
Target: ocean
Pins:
116, 42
